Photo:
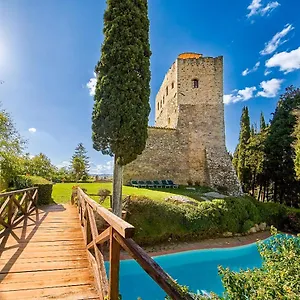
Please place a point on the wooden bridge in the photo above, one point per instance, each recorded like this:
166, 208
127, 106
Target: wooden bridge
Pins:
58, 251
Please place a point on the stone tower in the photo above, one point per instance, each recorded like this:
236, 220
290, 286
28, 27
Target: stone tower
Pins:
188, 140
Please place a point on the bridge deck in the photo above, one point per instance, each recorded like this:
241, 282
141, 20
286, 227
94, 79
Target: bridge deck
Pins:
44, 257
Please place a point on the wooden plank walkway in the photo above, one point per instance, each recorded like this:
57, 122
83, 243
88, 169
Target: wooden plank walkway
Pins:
45, 257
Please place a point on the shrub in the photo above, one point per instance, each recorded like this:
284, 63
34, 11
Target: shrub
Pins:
197, 183
273, 213
278, 278
44, 187
158, 221
292, 222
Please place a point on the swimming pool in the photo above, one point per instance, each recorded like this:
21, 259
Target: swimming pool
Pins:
197, 269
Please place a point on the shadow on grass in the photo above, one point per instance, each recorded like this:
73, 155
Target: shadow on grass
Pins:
194, 192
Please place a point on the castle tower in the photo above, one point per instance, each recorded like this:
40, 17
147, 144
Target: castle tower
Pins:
188, 140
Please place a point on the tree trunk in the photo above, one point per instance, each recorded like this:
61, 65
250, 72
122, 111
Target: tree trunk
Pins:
265, 185
259, 193
117, 188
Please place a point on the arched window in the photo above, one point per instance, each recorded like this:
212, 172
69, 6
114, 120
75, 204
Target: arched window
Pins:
167, 91
163, 99
157, 105
173, 84
169, 121
195, 83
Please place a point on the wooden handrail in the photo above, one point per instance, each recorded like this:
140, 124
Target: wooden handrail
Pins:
119, 233
12, 207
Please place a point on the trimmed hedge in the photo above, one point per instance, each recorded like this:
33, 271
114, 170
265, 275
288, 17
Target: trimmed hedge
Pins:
158, 221
44, 186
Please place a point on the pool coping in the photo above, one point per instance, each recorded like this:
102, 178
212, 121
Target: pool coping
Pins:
228, 242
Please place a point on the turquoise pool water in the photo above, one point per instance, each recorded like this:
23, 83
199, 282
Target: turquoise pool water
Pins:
196, 269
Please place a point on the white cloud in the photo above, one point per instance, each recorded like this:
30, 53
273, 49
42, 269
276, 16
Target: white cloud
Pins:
239, 95
286, 61
267, 72
277, 40
32, 130
91, 85
106, 168
270, 88
257, 8
248, 71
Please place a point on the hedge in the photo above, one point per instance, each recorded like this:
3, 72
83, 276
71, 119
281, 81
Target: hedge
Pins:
158, 221
44, 187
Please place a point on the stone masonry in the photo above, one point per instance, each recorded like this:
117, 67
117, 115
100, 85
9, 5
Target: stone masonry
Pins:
188, 140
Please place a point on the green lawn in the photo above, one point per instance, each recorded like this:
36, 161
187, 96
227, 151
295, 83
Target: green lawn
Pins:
62, 192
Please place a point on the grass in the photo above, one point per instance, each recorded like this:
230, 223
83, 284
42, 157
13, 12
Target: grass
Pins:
62, 192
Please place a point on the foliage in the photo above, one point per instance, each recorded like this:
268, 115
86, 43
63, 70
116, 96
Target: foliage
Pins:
121, 108
278, 278
279, 148
266, 161
11, 146
239, 157
80, 163
159, 221
44, 186
39, 165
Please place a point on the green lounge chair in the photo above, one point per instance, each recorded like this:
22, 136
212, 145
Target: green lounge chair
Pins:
171, 183
157, 184
165, 184
142, 183
134, 183
149, 184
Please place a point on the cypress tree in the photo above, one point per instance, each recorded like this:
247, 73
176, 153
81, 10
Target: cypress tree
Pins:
262, 122
239, 160
121, 102
280, 153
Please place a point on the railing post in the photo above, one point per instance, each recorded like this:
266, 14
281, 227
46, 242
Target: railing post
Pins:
10, 212
114, 260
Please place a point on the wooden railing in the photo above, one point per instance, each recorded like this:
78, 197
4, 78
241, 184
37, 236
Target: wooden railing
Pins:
100, 225
16, 203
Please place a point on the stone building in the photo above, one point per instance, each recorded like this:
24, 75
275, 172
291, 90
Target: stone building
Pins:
188, 140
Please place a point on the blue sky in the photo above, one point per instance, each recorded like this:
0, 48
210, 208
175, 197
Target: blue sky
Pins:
48, 50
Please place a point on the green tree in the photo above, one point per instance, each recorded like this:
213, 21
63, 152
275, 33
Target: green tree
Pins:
297, 145
239, 157
280, 153
78, 167
11, 146
40, 165
278, 278
80, 162
262, 122
121, 108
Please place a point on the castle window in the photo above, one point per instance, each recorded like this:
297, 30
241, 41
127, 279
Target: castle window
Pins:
169, 121
167, 91
157, 105
163, 101
173, 84
195, 83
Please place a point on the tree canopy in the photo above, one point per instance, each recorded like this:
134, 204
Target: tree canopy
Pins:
121, 106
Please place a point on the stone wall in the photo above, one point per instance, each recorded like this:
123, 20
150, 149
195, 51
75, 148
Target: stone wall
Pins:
195, 149
166, 108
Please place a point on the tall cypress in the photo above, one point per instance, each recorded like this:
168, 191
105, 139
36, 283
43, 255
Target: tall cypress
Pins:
121, 102
280, 153
262, 122
239, 159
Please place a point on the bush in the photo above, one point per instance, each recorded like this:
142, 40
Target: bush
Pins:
278, 278
44, 187
292, 222
158, 221
273, 213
